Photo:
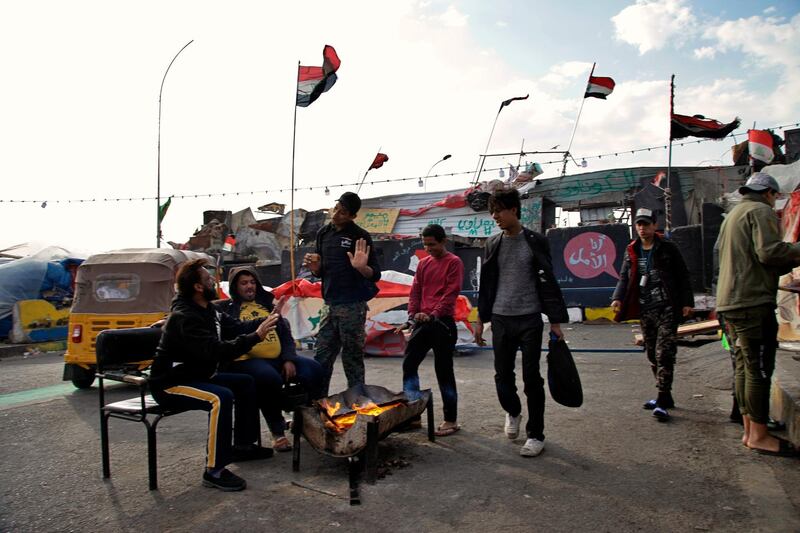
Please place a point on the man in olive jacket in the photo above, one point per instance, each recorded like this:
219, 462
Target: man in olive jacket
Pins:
654, 287
752, 256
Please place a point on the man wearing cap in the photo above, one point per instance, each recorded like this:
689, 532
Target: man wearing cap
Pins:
751, 258
654, 287
345, 260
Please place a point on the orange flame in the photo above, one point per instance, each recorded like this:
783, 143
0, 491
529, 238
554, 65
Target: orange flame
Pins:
342, 422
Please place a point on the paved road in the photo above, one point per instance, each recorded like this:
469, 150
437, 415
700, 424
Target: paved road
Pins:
608, 466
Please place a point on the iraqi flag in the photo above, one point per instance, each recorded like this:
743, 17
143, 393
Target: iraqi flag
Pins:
379, 160
700, 126
599, 87
760, 145
313, 81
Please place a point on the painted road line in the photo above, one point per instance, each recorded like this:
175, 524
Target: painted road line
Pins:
35, 395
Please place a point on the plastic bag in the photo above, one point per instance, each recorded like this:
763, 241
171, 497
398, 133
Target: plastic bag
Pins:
562, 375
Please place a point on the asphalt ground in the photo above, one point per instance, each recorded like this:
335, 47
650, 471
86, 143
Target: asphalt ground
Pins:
607, 466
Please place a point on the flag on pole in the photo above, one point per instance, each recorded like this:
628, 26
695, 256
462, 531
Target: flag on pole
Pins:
313, 81
162, 209
380, 159
760, 145
599, 87
506, 102
230, 242
700, 126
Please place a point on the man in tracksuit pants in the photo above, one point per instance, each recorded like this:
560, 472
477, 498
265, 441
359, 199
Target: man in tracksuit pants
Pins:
517, 286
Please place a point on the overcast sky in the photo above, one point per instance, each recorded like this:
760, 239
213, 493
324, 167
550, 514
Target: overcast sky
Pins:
79, 98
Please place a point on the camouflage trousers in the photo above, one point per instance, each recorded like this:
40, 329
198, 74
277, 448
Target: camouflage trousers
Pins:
659, 329
341, 328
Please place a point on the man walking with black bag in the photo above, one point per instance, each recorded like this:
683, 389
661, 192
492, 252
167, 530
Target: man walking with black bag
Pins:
517, 286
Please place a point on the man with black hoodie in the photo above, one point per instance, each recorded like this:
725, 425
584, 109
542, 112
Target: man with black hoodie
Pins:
272, 361
195, 339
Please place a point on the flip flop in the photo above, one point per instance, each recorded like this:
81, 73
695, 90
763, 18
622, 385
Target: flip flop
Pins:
445, 431
785, 449
282, 444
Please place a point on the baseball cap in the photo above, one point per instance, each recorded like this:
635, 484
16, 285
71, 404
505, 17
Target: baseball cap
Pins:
759, 182
644, 214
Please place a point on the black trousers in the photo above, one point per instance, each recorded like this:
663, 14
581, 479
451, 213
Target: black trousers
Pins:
509, 334
440, 335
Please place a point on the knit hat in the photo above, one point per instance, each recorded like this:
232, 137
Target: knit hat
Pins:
351, 202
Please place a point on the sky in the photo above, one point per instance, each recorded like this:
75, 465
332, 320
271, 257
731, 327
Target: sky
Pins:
79, 102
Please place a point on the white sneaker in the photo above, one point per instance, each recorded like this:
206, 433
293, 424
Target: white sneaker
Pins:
532, 448
512, 425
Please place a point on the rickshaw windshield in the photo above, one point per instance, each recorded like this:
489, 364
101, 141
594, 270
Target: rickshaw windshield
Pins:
121, 287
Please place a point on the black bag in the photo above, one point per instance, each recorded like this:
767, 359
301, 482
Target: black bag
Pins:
562, 375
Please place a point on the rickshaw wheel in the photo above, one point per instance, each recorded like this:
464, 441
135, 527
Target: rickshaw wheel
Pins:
81, 377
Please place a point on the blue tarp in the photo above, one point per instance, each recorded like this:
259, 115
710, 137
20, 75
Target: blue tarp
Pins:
28, 278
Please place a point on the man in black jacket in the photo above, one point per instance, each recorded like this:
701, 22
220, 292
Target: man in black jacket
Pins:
346, 262
196, 338
517, 286
274, 360
654, 286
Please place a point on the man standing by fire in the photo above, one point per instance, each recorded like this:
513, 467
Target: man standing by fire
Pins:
346, 262
751, 257
654, 287
517, 285
431, 306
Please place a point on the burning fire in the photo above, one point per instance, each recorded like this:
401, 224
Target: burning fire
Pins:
342, 422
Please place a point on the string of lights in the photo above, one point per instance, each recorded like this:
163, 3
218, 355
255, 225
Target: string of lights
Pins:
327, 188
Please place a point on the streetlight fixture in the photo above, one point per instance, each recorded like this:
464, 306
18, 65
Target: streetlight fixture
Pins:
425, 182
158, 172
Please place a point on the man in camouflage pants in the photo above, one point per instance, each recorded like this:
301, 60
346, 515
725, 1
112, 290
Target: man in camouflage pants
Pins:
346, 262
654, 287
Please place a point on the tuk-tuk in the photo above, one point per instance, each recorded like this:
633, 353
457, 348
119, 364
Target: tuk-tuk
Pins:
121, 289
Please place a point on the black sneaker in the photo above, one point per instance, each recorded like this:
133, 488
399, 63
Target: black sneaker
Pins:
226, 482
650, 405
251, 452
661, 414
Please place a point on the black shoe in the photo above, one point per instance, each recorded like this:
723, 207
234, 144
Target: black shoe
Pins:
650, 405
226, 482
251, 452
775, 425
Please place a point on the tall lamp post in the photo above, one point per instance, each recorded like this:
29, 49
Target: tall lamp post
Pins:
158, 172
425, 181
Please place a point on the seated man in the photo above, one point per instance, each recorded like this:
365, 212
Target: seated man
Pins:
274, 360
195, 340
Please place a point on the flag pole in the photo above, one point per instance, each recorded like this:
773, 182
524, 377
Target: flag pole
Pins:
291, 204
667, 192
486, 150
367, 172
575, 127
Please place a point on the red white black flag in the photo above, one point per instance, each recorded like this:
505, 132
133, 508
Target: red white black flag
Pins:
760, 145
696, 126
506, 102
313, 81
599, 87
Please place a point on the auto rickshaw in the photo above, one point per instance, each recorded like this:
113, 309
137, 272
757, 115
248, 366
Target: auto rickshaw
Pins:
121, 289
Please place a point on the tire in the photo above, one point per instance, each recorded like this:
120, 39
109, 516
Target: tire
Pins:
81, 377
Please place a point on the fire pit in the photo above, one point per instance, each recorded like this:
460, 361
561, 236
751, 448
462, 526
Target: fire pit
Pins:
351, 423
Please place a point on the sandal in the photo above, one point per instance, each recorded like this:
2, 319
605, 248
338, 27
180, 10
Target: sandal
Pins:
444, 431
281, 444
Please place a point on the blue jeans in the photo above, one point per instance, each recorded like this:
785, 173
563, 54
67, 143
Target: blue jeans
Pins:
269, 382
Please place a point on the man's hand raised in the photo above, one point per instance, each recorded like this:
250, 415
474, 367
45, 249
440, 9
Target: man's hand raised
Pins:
267, 325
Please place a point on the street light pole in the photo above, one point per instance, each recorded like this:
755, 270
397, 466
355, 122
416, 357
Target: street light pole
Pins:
158, 171
445, 158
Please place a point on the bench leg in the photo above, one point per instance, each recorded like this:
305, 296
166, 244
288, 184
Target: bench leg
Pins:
152, 456
297, 429
431, 429
104, 444
371, 455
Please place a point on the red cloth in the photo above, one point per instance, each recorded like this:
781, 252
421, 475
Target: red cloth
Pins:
436, 286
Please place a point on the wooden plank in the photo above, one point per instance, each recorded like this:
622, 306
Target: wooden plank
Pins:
687, 330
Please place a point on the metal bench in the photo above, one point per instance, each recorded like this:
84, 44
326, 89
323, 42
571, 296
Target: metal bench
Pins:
118, 352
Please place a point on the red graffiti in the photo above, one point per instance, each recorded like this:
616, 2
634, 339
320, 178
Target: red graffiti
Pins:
590, 254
